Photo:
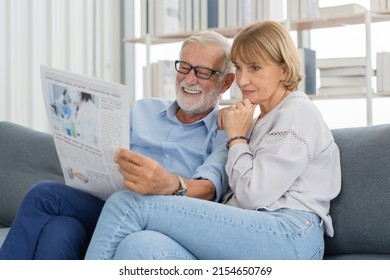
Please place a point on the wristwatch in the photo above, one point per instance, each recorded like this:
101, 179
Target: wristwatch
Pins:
182, 191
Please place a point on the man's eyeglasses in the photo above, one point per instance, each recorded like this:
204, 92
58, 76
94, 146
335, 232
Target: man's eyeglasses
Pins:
200, 71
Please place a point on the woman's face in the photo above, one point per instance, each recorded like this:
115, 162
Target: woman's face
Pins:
261, 82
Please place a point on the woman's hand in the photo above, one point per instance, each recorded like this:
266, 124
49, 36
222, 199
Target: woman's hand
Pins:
236, 120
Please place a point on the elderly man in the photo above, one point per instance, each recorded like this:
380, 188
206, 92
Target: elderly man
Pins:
176, 149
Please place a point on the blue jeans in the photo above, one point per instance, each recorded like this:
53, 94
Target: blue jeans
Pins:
54, 221
133, 226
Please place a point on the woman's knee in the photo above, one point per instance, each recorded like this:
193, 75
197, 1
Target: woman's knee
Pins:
136, 245
150, 245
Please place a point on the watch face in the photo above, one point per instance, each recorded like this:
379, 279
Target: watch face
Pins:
181, 193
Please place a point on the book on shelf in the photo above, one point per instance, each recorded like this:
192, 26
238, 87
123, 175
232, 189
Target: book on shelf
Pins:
293, 10
150, 17
212, 13
347, 81
167, 17
247, 12
232, 13
203, 14
344, 71
160, 17
309, 9
186, 14
376, 5
340, 91
303, 9
380, 6
144, 18
273, 9
382, 71
259, 11
244, 12
341, 10
221, 13
341, 62
308, 67
195, 15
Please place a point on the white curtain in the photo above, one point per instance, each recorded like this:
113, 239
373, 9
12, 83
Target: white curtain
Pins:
82, 36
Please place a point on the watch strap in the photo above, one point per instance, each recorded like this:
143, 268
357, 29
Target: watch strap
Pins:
182, 191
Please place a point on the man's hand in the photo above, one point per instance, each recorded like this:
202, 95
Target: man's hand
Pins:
144, 175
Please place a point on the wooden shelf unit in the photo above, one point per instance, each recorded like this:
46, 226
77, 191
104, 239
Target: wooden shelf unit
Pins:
366, 18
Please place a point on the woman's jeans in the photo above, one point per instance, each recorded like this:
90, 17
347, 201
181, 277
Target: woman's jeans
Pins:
54, 221
132, 226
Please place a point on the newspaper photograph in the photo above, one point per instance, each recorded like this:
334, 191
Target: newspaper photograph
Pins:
89, 120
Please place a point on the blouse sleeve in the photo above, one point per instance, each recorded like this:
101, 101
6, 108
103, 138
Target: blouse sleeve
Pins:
260, 173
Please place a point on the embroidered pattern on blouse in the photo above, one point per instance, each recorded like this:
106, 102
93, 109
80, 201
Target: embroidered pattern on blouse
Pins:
295, 136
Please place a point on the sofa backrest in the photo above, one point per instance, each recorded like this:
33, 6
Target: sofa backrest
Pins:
26, 156
361, 212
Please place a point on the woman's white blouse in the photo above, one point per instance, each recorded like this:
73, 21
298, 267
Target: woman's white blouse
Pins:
291, 161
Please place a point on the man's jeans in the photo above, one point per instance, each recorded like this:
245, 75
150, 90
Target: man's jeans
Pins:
54, 221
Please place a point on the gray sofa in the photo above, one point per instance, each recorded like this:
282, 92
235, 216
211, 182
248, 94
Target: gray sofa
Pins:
361, 213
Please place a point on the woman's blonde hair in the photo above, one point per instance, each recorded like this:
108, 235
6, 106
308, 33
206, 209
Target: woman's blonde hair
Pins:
269, 40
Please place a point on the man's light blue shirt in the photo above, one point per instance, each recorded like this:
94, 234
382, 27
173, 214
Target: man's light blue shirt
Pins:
194, 150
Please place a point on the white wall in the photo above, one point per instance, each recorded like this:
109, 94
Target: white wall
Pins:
73, 35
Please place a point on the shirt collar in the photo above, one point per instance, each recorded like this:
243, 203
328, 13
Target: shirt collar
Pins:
210, 120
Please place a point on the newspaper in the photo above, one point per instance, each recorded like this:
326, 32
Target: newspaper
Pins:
89, 120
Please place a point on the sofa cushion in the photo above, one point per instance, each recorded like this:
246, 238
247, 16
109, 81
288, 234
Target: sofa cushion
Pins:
26, 156
361, 212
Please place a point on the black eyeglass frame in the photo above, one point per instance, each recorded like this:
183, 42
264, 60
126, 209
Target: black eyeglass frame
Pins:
190, 67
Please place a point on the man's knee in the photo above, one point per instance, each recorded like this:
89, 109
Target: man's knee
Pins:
62, 238
42, 189
65, 228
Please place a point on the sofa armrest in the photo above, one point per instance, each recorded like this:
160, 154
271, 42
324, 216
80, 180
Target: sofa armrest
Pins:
26, 156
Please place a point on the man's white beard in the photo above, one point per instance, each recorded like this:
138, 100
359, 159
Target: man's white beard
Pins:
199, 103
